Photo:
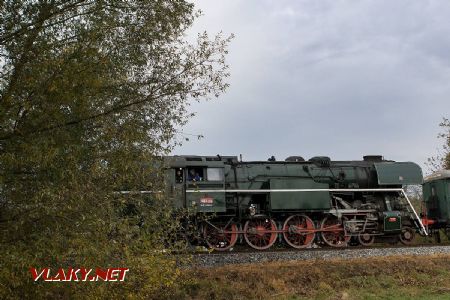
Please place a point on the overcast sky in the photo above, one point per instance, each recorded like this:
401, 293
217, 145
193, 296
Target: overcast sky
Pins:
336, 78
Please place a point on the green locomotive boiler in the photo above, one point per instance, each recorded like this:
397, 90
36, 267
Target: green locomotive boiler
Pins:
296, 201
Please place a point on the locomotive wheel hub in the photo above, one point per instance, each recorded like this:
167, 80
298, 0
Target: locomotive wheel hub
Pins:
260, 230
365, 236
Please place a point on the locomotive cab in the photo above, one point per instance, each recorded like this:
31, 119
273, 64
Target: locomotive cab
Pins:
200, 182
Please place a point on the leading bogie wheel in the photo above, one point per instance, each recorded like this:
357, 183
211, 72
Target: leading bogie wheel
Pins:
407, 235
366, 239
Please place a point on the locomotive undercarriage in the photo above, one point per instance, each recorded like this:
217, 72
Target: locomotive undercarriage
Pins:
304, 230
341, 226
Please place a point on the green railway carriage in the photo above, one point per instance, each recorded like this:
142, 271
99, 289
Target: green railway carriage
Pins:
436, 196
301, 202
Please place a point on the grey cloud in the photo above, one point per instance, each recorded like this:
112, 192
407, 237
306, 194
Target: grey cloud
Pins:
337, 78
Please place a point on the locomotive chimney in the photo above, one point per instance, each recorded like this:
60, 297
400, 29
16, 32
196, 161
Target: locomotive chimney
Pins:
374, 158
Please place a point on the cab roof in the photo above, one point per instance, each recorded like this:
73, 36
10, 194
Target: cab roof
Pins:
442, 174
197, 160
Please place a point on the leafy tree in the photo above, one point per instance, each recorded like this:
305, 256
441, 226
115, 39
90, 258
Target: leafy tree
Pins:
91, 95
442, 160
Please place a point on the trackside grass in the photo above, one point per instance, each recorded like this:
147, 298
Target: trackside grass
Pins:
400, 277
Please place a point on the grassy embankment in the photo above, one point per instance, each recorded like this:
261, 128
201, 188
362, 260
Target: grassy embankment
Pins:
409, 277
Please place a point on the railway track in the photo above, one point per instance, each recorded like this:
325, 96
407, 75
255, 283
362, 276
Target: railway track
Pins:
216, 259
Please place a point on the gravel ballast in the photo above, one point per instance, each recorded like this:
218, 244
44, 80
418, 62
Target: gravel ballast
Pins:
220, 259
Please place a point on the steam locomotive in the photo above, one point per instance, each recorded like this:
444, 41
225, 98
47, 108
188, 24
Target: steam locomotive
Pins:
296, 202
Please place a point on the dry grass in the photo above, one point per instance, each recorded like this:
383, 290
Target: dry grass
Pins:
416, 277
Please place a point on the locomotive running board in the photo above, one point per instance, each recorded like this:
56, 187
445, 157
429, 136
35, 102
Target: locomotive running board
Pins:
422, 227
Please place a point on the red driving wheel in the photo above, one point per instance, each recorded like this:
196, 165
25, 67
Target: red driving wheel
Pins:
260, 234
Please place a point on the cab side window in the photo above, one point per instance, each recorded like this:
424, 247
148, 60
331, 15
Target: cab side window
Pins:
214, 174
195, 174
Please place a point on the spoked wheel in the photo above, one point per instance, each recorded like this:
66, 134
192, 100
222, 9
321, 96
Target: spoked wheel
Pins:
407, 235
220, 237
298, 231
366, 239
260, 233
333, 233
